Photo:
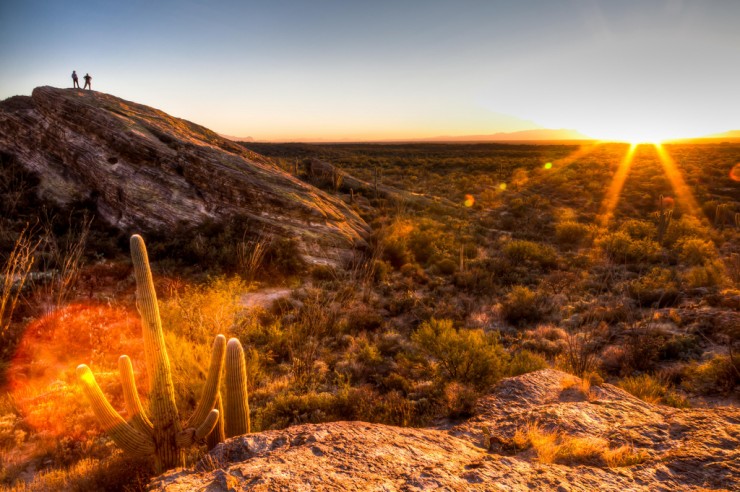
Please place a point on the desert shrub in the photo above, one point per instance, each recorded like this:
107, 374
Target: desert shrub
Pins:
459, 399
114, 473
685, 227
380, 270
283, 255
545, 339
694, 251
656, 288
466, 356
522, 305
538, 254
200, 312
446, 266
363, 318
622, 248
396, 252
581, 349
645, 387
323, 273
680, 347
525, 361
652, 389
638, 229
718, 375
571, 233
642, 346
707, 275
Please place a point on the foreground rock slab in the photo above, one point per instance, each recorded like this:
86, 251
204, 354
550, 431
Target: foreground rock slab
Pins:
145, 169
686, 449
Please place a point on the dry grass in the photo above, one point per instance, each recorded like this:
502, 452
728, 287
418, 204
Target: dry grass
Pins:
645, 387
552, 446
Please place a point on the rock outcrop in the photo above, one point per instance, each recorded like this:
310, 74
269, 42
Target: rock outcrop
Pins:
693, 449
148, 170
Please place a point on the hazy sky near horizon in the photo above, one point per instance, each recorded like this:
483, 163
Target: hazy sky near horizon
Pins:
342, 69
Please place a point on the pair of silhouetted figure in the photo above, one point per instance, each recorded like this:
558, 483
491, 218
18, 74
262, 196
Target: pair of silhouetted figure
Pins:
76, 83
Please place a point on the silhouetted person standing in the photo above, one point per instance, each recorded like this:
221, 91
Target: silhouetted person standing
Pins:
87, 81
75, 80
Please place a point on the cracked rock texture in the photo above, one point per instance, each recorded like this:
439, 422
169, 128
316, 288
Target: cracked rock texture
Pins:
147, 170
694, 449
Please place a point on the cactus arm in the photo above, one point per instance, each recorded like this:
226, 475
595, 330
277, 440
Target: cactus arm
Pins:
213, 382
128, 438
190, 436
162, 408
139, 419
218, 434
236, 411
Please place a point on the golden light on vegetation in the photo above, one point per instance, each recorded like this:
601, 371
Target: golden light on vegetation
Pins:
502, 187
41, 375
469, 200
615, 188
680, 189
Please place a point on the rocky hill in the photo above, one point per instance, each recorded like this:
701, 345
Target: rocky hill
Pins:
605, 438
147, 170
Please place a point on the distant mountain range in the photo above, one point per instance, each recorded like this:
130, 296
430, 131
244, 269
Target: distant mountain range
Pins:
523, 135
237, 139
729, 135
538, 135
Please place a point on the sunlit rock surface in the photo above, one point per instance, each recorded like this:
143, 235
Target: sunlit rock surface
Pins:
145, 170
694, 449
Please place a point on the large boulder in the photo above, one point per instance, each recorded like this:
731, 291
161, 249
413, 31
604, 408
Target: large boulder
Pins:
148, 170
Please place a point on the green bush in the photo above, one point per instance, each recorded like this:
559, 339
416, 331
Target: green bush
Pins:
622, 248
718, 375
525, 361
571, 233
638, 229
657, 288
538, 254
694, 251
522, 306
466, 356
284, 256
709, 275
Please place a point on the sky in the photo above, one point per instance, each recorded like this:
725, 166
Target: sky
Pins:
375, 70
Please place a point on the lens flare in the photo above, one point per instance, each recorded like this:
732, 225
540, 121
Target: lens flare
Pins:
735, 172
42, 378
615, 188
548, 165
469, 200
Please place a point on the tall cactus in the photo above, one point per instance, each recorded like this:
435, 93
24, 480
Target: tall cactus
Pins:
664, 219
158, 433
236, 412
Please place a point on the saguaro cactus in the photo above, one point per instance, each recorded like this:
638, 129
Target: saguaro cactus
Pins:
664, 219
236, 412
158, 432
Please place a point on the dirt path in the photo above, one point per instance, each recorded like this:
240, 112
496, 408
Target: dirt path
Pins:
263, 298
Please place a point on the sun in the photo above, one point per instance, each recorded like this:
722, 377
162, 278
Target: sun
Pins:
636, 132
638, 136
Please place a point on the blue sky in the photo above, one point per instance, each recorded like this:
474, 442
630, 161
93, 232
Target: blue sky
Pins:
336, 70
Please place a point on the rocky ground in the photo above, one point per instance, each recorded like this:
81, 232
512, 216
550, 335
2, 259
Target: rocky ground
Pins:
694, 449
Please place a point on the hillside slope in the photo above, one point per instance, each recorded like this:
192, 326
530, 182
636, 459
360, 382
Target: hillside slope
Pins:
681, 449
147, 170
